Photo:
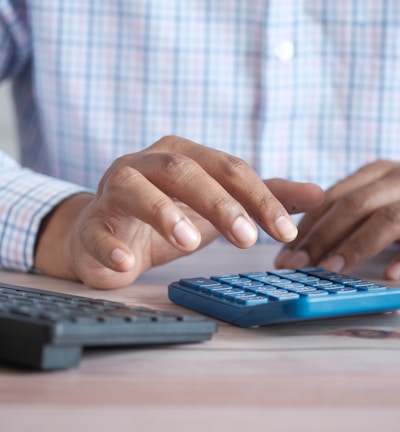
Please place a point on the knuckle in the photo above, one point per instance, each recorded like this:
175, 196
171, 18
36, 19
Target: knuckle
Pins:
166, 142
122, 175
382, 167
174, 162
266, 202
160, 208
390, 215
234, 167
382, 163
376, 163
220, 205
178, 167
267, 206
379, 164
354, 203
395, 173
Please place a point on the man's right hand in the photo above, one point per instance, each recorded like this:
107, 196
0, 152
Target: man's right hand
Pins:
161, 203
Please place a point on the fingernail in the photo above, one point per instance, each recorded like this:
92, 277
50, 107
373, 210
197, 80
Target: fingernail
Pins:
299, 259
393, 272
185, 234
243, 230
286, 228
283, 257
334, 263
118, 256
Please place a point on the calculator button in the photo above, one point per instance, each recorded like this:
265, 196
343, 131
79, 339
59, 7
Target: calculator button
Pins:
282, 283
226, 278
252, 274
283, 296
322, 283
314, 293
267, 279
373, 287
234, 296
345, 280
199, 282
362, 284
265, 289
304, 289
227, 292
216, 289
309, 279
342, 290
351, 282
296, 275
252, 301
286, 285
247, 284
282, 271
295, 285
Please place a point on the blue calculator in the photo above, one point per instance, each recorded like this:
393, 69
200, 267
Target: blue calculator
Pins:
281, 296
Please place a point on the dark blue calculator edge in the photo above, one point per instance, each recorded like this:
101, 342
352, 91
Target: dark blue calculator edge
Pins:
285, 311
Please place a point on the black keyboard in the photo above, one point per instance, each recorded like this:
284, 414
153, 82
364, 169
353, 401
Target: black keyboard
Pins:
46, 330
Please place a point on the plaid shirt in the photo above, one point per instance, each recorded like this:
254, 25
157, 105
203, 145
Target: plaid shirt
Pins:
303, 89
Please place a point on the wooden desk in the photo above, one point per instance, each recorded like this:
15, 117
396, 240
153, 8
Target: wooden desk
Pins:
302, 377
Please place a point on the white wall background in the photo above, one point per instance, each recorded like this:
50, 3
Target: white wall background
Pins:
8, 137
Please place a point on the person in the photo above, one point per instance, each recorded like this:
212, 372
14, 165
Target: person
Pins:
112, 99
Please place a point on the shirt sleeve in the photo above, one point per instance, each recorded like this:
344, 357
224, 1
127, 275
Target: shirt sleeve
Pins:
26, 197
15, 40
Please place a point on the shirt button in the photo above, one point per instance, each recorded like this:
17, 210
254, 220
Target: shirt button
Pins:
285, 50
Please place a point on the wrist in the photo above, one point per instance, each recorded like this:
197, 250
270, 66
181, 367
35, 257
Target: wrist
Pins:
54, 243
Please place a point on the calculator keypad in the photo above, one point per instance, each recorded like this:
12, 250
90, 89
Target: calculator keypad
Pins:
280, 285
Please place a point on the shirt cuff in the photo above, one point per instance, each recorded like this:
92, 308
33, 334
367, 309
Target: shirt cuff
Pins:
26, 197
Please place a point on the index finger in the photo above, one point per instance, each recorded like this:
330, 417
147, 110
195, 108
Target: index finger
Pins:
242, 183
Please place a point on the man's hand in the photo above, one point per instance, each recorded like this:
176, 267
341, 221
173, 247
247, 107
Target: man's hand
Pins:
359, 218
159, 204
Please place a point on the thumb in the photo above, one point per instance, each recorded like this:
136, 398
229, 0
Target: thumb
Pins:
100, 243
